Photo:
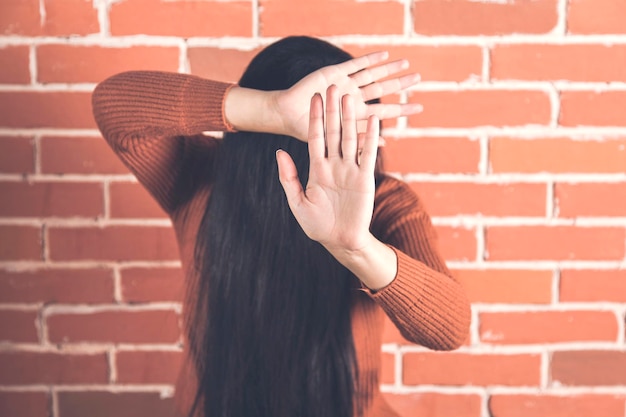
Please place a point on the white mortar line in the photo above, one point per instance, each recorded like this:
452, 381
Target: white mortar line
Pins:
183, 59
246, 43
483, 161
537, 265
54, 309
117, 285
54, 399
37, 154
17, 266
32, 64
498, 178
83, 348
112, 362
256, 20
561, 26
486, 64
42, 13
87, 222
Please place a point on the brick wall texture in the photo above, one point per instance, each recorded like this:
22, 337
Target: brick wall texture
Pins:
519, 156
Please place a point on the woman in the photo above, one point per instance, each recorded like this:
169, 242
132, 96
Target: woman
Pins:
293, 252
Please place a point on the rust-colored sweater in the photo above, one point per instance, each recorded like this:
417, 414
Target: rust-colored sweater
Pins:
153, 121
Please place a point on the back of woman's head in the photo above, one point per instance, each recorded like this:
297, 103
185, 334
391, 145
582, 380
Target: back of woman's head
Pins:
270, 331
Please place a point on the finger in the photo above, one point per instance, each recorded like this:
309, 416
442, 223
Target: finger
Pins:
370, 144
357, 64
380, 89
348, 128
391, 111
317, 147
370, 75
333, 122
288, 176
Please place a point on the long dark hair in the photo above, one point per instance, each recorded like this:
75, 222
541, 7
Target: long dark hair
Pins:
270, 331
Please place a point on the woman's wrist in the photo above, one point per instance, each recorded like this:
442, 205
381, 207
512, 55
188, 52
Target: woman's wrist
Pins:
252, 110
375, 263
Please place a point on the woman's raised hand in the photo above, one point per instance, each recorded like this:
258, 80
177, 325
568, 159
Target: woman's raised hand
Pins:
336, 207
360, 77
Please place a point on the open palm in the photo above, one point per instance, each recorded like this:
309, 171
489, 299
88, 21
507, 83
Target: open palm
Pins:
358, 77
336, 207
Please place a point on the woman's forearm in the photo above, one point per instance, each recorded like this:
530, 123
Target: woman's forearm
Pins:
246, 109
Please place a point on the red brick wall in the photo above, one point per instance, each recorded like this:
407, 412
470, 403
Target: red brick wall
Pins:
520, 156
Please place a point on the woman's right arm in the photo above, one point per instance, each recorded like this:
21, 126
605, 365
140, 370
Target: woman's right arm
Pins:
146, 118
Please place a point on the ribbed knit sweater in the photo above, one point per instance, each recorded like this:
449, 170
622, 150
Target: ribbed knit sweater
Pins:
154, 123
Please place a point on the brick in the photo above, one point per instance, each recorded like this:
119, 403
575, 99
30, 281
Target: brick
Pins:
82, 286
433, 63
541, 327
132, 200
107, 404
555, 243
433, 404
589, 368
18, 72
181, 18
18, 326
585, 63
20, 243
155, 326
76, 155
596, 16
17, 155
465, 369
116, 243
51, 199
499, 108
71, 17
24, 404
589, 108
328, 17
81, 64
457, 243
435, 17
24, 368
506, 286
558, 155
140, 285
587, 405
61, 18
388, 368
28, 109
20, 17
512, 199
593, 286
432, 155
591, 199
219, 63
148, 367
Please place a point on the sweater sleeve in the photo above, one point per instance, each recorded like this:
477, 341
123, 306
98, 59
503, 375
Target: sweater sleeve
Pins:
427, 304
149, 119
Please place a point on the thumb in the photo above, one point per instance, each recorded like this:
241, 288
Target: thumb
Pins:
288, 176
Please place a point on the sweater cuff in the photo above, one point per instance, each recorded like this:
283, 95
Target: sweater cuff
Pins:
205, 101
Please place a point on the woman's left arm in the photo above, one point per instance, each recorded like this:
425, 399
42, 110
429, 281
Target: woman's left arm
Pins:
336, 209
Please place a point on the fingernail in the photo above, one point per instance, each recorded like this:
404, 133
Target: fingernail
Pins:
405, 64
381, 142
